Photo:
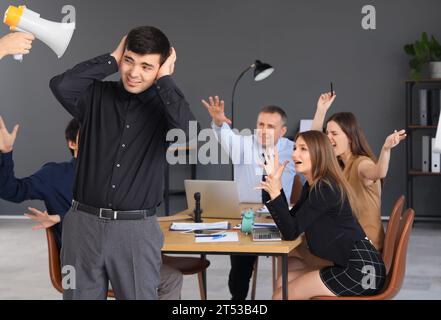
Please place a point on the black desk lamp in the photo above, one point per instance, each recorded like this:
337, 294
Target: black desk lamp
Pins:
261, 72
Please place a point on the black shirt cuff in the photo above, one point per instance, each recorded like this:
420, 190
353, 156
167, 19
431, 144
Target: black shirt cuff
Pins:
6, 159
107, 61
165, 83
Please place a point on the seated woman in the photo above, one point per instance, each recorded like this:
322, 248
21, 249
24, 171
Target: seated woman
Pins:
360, 166
324, 214
362, 170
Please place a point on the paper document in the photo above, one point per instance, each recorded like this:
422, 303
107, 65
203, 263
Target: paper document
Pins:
181, 226
262, 210
226, 237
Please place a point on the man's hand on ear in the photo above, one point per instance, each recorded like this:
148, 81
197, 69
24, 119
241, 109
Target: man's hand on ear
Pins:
168, 67
119, 51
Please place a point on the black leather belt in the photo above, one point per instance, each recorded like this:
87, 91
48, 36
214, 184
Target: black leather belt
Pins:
109, 214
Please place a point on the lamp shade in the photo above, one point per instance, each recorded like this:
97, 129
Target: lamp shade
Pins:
262, 70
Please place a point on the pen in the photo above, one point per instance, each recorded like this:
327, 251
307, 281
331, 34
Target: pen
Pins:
209, 235
332, 90
218, 236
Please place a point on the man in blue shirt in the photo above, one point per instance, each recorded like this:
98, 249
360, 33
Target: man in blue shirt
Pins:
246, 154
53, 185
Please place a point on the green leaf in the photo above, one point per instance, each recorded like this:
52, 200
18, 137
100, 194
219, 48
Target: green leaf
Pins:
436, 50
409, 49
419, 50
415, 75
424, 38
435, 42
415, 63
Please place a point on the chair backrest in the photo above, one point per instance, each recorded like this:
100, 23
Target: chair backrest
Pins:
390, 238
398, 267
54, 260
395, 278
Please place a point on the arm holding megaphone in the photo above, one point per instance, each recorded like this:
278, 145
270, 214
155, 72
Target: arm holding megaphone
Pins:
56, 35
15, 43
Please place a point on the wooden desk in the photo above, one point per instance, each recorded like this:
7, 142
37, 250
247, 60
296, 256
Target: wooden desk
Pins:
177, 242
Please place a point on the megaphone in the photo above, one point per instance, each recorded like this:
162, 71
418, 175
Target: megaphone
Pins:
56, 35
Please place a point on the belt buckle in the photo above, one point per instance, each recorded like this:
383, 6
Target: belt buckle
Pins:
100, 215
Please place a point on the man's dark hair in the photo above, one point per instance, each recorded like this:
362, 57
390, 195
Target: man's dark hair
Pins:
275, 109
71, 132
145, 40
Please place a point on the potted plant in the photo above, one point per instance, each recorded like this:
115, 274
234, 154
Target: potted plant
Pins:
424, 52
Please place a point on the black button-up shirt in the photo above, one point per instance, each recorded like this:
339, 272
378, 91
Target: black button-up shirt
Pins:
122, 143
328, 223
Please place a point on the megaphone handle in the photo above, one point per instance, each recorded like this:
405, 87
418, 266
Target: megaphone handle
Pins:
18, 57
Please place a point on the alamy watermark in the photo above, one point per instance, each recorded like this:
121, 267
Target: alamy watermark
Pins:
369, 21
69, 12
246, 147
68, 278
368, 281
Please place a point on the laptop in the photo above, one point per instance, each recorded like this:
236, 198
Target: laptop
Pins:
219, 199
266, 234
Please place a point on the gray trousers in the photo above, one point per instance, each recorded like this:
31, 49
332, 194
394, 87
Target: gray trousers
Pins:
170, 284
125, 252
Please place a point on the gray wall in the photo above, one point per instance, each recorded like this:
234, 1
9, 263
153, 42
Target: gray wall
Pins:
309, 42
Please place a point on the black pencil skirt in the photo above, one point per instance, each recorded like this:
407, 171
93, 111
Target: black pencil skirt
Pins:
364, 275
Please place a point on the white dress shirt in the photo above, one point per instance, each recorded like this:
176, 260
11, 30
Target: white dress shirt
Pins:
246, 155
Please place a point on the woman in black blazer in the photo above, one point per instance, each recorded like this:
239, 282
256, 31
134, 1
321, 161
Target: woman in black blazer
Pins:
324, 214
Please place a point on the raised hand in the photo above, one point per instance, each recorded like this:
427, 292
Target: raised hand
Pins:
323, 104
43, 219
394, 139
325, 101
274, 171
168, 67
7, 139
16, 43
216, 108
